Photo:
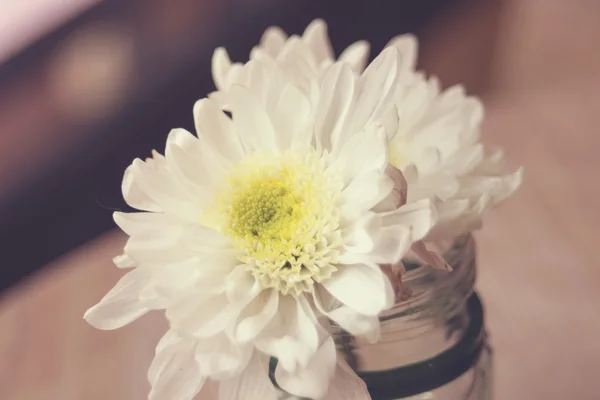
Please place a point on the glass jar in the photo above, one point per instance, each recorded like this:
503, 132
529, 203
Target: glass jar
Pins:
433, 346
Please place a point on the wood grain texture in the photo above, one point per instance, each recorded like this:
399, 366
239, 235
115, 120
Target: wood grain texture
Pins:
538, 254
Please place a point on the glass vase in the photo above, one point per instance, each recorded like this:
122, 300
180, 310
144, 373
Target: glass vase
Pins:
433, 346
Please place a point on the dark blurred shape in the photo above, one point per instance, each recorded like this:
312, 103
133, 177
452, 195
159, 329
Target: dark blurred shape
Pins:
80, 104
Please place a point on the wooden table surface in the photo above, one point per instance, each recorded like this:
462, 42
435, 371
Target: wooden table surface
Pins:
539, 265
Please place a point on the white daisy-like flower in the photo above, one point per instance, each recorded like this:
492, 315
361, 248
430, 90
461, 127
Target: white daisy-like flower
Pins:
438, 148
268, 224
437, 145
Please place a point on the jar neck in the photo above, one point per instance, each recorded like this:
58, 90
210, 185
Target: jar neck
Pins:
430, 322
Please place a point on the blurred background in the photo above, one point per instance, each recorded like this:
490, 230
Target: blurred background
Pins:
88, 85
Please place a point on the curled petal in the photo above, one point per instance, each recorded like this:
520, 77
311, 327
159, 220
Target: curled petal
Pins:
398, 195
430, 257
394, 273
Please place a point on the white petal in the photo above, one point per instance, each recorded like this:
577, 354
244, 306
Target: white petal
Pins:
175, 281
485, 192
291, 337
356, 55
221, 64
391, 245
162, 186
124, 261
121, 305
360, 233
312, 381
506, 186
337, 91
407, 45
273, 40
278, 80
155, 239
390, 122
251, 121
471, 219
202, 239
368, 280
202, 315
134, 194
364, 151
220, 98
144, 223
441, 184
364, 192
418, 216
192, 157
174, 373
297, 49
346, 385
257, 315
168, 339
292, 119
235, 75
295, 63
375, 88
240, 283
252, 384
155, 251
258, 80
220, 358
217, 128
355, 323
315, 36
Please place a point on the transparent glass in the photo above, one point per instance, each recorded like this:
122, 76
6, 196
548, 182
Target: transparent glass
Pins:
435, 337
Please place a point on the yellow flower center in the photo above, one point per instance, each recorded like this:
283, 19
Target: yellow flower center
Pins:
266, 209
281, 213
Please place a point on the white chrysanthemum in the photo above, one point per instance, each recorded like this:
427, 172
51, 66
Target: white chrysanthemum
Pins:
267, 224
437, 146
439, 151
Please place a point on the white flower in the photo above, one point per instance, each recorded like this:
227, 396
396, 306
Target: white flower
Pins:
439, 151
267, 224
312, 50
437, 145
